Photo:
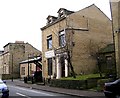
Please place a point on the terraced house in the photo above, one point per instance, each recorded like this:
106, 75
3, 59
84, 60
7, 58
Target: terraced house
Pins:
13, 54
71, 41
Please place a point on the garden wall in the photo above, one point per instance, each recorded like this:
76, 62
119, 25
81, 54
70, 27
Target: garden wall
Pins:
74, 84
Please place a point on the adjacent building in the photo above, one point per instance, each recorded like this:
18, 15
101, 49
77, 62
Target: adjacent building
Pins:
1, 63
76, 37
13, 54
115, 6
106, 60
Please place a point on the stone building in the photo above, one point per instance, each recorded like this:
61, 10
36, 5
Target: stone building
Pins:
1, 63
81, 34
13, 54
115, 10
106, 60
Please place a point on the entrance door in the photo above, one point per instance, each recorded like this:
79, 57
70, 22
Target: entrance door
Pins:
62, 61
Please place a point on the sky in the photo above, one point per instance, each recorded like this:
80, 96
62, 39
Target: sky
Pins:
21, 20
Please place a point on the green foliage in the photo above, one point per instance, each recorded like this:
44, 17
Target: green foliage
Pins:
69, 84
111, 72
91, 81
100, 84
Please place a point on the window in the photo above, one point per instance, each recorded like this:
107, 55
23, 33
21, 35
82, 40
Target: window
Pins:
4, 69
50, 66
50, 20
30, 68
61, 13
49, 42
23, 71
62, 41
109, 62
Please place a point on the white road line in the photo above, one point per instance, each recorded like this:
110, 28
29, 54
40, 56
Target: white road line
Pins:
23, 95
30, 90
20, 94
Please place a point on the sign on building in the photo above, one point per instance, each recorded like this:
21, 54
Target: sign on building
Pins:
50, 54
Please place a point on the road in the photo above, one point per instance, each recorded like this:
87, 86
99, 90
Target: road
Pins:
21, 92
27, 92
24, 92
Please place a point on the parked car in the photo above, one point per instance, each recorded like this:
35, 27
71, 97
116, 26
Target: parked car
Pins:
112, 89
4, 91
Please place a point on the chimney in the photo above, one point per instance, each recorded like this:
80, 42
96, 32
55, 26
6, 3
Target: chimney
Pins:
19, 42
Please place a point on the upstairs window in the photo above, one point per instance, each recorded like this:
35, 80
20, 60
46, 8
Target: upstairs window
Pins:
61, 13
50, 20
62, 41
49, 42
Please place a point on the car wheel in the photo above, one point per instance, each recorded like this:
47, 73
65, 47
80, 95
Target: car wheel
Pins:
5, 96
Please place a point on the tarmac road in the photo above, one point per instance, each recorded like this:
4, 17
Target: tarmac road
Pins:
56, 91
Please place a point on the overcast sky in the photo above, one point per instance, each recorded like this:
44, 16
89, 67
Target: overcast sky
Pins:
21, 20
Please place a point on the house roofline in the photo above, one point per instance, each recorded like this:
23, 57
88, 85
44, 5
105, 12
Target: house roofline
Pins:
58, 20
97, 8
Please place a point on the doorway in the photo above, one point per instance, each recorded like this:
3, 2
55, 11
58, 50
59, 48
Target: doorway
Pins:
62, 62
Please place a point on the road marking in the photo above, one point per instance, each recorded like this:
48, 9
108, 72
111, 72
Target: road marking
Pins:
31, 90
20, 94
23, 95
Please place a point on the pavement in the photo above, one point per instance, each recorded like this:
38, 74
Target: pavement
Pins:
72, 92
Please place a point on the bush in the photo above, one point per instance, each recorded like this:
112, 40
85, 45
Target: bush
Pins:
70, 84
100, 84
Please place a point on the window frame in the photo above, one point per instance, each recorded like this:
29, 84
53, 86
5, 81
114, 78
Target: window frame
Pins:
109, 62
49, 42
22, 70
62, 41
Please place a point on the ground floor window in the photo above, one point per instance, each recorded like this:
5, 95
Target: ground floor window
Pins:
109, 62
50, 66
23, 71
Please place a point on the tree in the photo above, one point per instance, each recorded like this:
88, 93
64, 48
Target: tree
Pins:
69, 49
94, 49
70, 64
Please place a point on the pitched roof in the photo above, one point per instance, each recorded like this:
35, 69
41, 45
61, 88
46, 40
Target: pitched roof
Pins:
91, 13
31, 60
109, 48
